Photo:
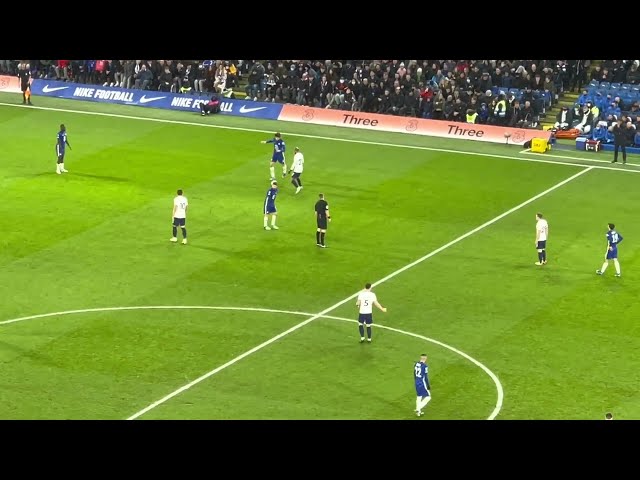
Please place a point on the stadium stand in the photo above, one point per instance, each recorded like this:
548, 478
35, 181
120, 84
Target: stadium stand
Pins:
578, 98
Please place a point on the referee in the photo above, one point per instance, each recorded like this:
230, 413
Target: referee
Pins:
24, 73
322, 217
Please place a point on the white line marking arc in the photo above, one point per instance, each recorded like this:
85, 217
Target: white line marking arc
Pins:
351, 297
334, 139
484, 368
342, 302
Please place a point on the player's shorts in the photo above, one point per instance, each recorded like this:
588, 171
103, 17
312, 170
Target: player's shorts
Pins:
269, 209
296, 174
277, 160
365, 318
322, 223
179, 222
421, 390
542, 244
611, 254
25, 86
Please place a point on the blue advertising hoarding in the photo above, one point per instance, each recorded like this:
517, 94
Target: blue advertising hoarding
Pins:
153, 99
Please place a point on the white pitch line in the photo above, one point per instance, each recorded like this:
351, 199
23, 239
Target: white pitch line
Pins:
581, 158
479, 364
319, 137
351, 297
492, 375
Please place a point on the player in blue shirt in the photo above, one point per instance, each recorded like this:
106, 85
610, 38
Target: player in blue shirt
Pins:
61, 143
270, 207
613, 239
421, 377
279, 148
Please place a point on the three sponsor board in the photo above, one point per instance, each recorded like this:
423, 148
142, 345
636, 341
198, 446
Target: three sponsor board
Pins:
284, 112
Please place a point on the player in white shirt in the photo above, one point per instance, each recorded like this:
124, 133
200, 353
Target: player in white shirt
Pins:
366, 300
297, 167
179, 216
542, 232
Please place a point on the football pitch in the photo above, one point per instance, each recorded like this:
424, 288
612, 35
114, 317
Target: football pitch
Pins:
103, 318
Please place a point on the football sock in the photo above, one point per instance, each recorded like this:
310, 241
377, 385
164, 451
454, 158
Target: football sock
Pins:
424, 402
266, 219
317, 237
540, 257
617, 265
294, 182
57, 168
361, 328
299, 181
175, 231
544, 255
369, 332
321, 238
184, 232
418, 402
284, 168
604, 266
273, 221
272, 170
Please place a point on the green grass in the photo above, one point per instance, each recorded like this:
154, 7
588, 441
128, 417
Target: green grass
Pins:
561, 340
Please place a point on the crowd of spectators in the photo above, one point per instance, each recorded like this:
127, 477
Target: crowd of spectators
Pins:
504, 92
186, 76
612, 96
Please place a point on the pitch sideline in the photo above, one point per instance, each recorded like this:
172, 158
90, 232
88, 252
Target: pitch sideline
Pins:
334, 139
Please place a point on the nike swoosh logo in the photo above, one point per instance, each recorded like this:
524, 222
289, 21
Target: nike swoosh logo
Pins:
144, 99
244, 109
47, 89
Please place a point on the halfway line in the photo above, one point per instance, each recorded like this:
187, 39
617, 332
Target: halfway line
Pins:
342, 302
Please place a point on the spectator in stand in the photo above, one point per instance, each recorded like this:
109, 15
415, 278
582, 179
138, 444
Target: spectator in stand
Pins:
459, 108
600, 132
255, 85
143, 78
220, 82
289, 84
200, 75
564, 118
232, 74
586, 120
178, 77
578, 73
187, 79
633, 74
62, 70
127, 74
165, 80
117, 69
271, 90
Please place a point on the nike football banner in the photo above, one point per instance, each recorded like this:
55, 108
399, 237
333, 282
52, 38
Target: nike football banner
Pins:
151, 98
